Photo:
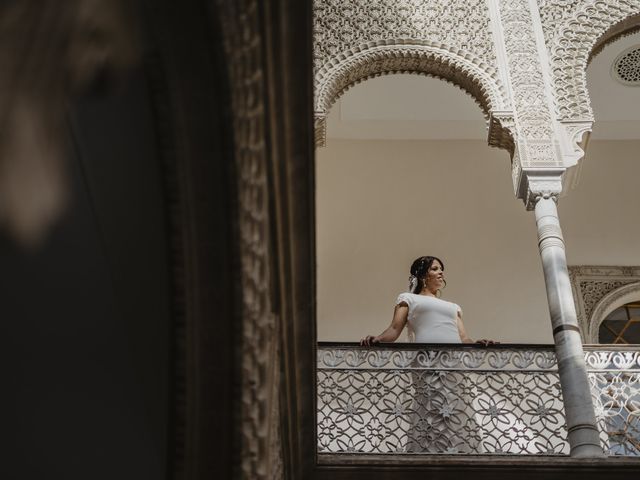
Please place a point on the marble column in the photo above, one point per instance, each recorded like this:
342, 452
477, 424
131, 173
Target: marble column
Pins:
584, 436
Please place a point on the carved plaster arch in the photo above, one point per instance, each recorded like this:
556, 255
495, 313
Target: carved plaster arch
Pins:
612, 300
628, 26
578, 36
388, 57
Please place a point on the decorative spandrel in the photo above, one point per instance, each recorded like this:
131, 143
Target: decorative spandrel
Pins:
340, 25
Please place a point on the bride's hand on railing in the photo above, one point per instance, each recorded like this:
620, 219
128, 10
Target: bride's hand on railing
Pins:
369, 341
485, 343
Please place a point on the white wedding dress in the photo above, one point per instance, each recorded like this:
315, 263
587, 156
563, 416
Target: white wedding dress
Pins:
431, 319
441, 418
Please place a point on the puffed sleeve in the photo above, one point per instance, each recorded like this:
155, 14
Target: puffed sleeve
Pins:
405, 298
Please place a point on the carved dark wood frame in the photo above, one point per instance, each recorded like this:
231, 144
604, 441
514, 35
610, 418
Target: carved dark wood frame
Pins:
188, 72
189, 95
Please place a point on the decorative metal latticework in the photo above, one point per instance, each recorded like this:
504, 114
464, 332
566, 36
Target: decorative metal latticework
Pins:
614, 373
428, 399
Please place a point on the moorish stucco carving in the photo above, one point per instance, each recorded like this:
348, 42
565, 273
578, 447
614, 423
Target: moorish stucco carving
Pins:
572, 29
554, 13
461, 26
526, 75
598, 290
360, 39
536, 146
378, 58
629, 26
524, 61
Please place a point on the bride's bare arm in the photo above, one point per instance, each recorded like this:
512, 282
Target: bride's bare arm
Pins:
393, 331
461, 330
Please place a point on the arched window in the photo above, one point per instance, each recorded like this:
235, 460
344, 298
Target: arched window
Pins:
622, 326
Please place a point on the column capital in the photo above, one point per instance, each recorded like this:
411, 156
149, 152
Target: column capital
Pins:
540, 184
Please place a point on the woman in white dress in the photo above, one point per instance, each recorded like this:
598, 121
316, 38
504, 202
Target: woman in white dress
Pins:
430, 319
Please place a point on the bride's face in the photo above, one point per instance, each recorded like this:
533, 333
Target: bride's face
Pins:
435, 276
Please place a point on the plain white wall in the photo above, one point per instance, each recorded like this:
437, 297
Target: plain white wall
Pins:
601, 216
381, 204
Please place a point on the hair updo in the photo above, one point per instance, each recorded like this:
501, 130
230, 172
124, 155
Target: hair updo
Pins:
419, 269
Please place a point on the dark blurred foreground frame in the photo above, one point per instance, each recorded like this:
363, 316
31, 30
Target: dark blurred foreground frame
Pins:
223, 88
232, 90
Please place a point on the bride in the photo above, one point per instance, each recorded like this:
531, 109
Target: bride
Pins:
430, 319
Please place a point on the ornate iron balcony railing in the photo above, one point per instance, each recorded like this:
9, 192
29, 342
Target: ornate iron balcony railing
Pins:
614, 372
463, 399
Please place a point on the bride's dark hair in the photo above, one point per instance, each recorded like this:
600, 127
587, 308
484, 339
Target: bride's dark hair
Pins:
419, 269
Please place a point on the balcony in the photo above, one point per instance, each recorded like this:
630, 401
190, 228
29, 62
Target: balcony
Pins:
410, 400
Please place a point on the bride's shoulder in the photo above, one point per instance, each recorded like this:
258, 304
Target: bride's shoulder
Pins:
405, 297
